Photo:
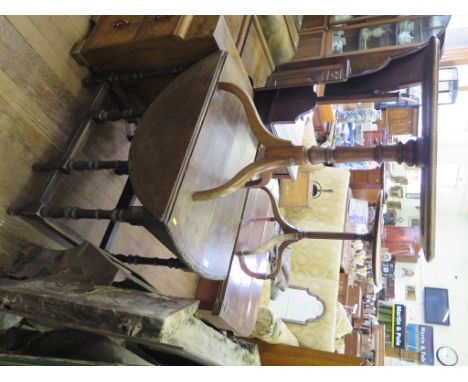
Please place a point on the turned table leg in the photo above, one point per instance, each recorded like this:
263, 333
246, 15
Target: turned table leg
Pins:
119, 167
133, 215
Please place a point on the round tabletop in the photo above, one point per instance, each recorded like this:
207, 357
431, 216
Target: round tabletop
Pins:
376, 242
194, 137
427, 148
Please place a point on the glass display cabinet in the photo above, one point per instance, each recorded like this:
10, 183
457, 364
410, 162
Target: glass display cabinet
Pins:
352, 36
334, 49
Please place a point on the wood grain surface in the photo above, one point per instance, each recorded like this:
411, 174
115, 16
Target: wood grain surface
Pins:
192, 137
41, 100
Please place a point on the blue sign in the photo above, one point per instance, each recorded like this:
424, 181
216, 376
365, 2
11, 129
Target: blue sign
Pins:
412, 337
399, 326
426, 344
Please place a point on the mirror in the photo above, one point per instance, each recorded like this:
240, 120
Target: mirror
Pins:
297, 305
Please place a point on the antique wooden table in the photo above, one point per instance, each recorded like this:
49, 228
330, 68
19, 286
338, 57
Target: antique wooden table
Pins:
292, 234
420, 68
194, 136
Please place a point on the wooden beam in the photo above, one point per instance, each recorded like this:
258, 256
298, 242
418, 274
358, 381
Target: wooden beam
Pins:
452, 57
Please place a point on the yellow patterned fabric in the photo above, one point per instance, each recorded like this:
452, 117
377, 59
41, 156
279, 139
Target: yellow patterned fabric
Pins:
273, 330
343, 323
315, 264
266, 293
340, 346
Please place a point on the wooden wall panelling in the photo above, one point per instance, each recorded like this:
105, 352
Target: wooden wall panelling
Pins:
310, 22
40, 104
310, 46
451, 57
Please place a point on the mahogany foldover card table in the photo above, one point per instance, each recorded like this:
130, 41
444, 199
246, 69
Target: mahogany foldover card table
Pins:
193, 136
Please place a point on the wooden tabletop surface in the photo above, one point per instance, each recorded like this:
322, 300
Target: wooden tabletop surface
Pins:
194, 137
239, 297
233, 303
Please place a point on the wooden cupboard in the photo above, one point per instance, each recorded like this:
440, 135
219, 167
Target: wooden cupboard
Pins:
401, 120
403, 243
326, 36
366, 184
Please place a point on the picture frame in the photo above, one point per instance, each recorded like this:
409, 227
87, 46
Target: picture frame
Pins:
392, 204
415, 221
396, 192
402, 180
410, 293
436, 306
390, 217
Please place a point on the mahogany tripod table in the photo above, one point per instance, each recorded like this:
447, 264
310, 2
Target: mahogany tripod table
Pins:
292, 235
421, 152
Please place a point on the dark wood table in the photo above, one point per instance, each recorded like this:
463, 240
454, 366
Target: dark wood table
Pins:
232, 304
192, 137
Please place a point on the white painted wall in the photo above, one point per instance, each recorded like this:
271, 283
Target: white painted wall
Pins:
449, 269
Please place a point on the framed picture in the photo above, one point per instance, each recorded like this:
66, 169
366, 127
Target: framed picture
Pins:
436, 306
413, 195
410, 293
415, 221
390, 217
391, 204
396, 192
399, 179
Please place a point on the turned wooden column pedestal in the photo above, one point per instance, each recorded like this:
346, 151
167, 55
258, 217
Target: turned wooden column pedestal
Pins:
421, 152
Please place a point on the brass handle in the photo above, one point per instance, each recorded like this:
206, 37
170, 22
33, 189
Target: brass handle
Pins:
121, 24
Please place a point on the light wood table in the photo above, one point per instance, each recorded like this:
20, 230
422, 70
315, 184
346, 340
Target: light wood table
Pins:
293, 132
421, 152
